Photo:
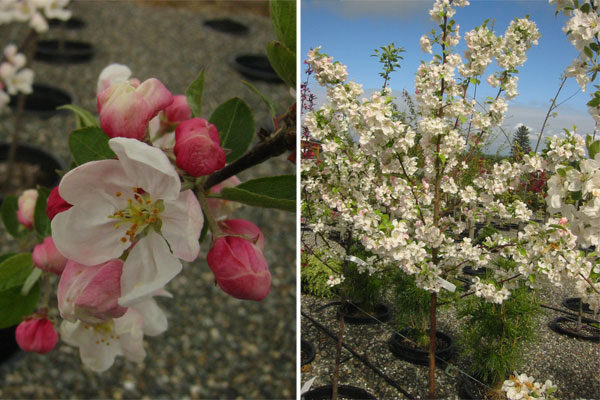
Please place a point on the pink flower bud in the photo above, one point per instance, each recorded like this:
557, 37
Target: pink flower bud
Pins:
178, 111
27, 207
126, 108
222, 209
197, 147
238, 264
56, 204
36, 335
91, 293
47, 257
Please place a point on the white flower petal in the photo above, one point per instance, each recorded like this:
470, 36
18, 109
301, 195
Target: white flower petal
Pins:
148, 268
182, 224
87, 235
147, 167
88, 182
155, 320
129, 328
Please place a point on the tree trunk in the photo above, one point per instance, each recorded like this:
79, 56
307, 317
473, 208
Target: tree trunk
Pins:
432, 340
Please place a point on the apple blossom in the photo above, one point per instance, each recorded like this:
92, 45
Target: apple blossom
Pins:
525, 387
91, 293
178, 111
47, 257
26, 209
99, 344
133, 200
36, 335
111, 74
222, 209
55, 204
238, 263
197, 147
125, 108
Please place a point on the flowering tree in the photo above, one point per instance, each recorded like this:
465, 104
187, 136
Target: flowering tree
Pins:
401, 190
149, 179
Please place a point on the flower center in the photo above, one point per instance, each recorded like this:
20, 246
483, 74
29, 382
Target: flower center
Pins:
103, 333
141, 212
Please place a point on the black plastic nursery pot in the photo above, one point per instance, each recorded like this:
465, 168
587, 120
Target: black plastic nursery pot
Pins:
572, 303
227, 25
72, 24
473, 390
404, 350
307, 352
64, 52
43, 101
27, 154
564, 326
344, 392
353, 315
9, 350
469, 270
255, 67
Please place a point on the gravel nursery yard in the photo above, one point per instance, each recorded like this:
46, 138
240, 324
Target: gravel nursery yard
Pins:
571, 364
216, 346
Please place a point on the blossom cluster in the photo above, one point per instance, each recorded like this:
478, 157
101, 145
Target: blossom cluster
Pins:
525, 387
121, 227
583, 30
14, 77
399, 188
34, 12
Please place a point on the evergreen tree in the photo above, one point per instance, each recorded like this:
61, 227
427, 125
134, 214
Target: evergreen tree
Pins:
521, 143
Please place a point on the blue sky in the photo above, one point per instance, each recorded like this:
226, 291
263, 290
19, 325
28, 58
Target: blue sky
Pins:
350, 30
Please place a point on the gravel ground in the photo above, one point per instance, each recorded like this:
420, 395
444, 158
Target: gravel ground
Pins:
571, 364
216, 346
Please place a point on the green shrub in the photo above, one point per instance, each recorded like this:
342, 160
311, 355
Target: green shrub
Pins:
362, 288
411, 306
314, 275
494, 335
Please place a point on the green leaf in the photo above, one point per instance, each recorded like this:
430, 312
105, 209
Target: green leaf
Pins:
89, 144
5, 256
595, 102
193, 94
268, 102
204, 231
588, 52
15, 270
14, 306
585, 8
283, 16
595, 47
594, 149
269, 192
41, 222
8, 211
33, 277
84, 118
235, 123
283, 61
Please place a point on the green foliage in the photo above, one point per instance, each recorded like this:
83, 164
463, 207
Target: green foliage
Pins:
283, 17
41, 222
411, 306
521, 143
89, 144
268, 192
235, 123
314, 274
83, 117
282, 52
193, 94
283, 61
8, 211
495, 335
362, 288
388, 58
14, 272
